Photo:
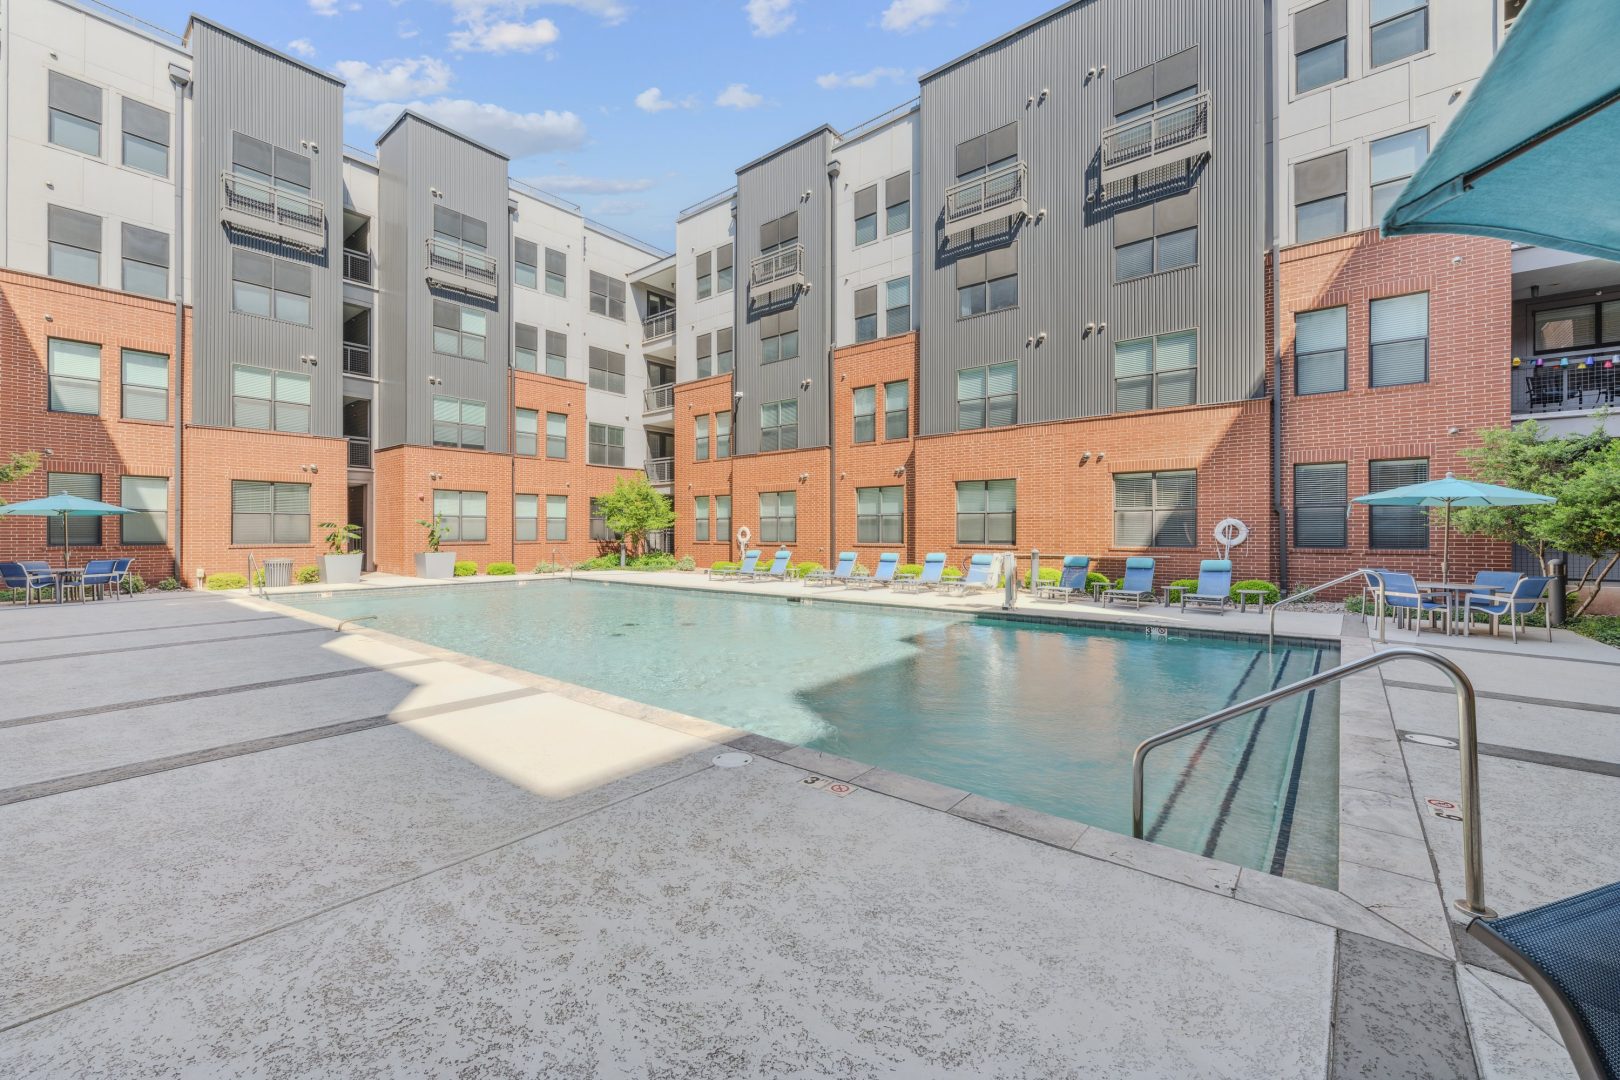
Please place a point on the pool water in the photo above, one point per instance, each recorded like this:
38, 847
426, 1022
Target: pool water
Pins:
1032, 714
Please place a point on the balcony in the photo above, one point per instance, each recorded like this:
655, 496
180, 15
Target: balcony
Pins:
993, 198
1556, 388
660, 470
359, 453
357, 266
356, 359
454, 267
1169, 135
654, 327
779, 269
287, 217
656, 399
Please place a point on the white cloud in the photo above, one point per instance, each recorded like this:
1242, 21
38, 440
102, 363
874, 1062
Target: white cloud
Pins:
392, 80
652, 100
859, 80
618, 207
516, 134
406, 30
771, 17
611, 12
301, 47
904, 16
588, 185
738, 96
324, 7
504, 37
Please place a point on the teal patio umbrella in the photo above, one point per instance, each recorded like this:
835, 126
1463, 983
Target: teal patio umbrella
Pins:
1448, 493
1531, 154
62, 505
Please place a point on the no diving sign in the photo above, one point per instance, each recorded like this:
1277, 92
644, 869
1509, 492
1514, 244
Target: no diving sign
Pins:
839, 788
1444, 808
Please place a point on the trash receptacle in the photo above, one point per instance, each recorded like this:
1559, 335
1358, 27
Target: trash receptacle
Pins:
277, 572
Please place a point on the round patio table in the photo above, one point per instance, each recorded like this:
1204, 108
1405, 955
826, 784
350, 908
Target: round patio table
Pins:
1453, 590
64, 575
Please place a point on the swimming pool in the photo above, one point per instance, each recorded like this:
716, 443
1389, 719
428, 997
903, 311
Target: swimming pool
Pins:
1032, 714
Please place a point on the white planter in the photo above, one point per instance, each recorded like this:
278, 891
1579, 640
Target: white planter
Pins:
340, 569
436, 564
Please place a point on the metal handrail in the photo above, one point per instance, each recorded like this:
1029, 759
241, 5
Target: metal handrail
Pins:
657, 326
776, 265
354, 619
357, 266
660, 470
982, 194
255, 198
476, 265
658, 398
263, 588
1473, 901
1162, 129
356, 359
1271, 633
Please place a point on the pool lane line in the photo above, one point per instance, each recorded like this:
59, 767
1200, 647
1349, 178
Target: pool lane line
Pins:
1163, 815
167, 645
1285, 827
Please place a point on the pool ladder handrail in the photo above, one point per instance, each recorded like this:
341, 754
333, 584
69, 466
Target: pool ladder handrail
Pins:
262, 588
1271, 633
1473, 902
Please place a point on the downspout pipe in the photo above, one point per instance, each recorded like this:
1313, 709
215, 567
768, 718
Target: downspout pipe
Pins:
833, 169
1273, 220
181, 78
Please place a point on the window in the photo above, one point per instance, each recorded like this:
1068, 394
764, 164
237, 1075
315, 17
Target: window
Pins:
81, 531
865, 414
866, 316
897, 306
1156, 238
525, 518
146, 138
526, 263
599, 527
269, 400
556, 354
1155, 509
723, 271
1400, 340
778, 517
700, 518
723, 361
866, 218
779, 426
607, 296
526, 429
1319, 202
75, 245
987, 282
458, 230
459, 331
779, 336
1403, 527
878, 515
1156, 373
1321, 503
465, 515
1319, 45
606, 445
783, 232
700, 452
458, 422
607, 370
556, 273
525, 347
146, 261
705, 355
987, 396
1394, 160
705, 275
896, 406
75, 377
1579, 326
75, 114
148, 496
271, 288
265, 513
1400, 28
1140, 93
288, 172
986, 511
557, 436
722, 435
897, 204
987, 153
1320, 340
146, 385
556, 517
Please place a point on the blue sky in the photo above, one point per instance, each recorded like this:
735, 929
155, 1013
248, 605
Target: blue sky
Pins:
632, 108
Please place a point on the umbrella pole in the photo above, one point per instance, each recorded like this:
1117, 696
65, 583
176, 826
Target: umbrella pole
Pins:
1445, 547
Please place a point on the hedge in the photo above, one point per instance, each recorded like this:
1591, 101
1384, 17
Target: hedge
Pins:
1272, 592
307, 575
466, 568
221, 582
500, 569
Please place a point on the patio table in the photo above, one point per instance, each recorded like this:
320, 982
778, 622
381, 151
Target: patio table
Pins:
1452, 589
64, 575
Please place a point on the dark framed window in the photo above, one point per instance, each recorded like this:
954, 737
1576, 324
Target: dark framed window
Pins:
897, 306
987, 282
526, 432
556, 273
897, 204
1404, 528
1576, 326
865, 414
1320, 54
1156, 509
722, 435
75, 377
459, 422
1399, 331
599, 526
987, 396
705, 355
700, 518
778, 517
866, 215
705, 275
723, 270
74, 114
465, 514
1320, 341
1321, 503
148, 496
269, 513
145, 256
525, 347
80, 531
779, 233
271, 288
880, 515
460, 230
606, 370
605, 445
1400, 28
526, 263
700, 449
722, 518
1156, 373
1319, 197
459, 330
779, 336
146, 385
724, 358
866, 314
1395, 159
557, 436
556, 517
779, 425
986, 511
146, 138
525, 518
556, 354
607, 296
281, 178
1156, 238
987, 153
73, 239
897, 409
268, 400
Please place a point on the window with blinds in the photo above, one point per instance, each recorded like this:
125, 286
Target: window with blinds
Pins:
879, 515
526, 263
1156, 238
987, 397
987, 153
73, 113
897, 410
465, 515
1320, 35
778, 517
1394, 159
146, 385
1156, 509
606, 370
556, 517
722, 518
605, 445
866, 314
75, 377
897, 204
607, 296
724, 357
459, 422
599, 526
986, 511
897, 306
722, 435
1320, 204
526, 432
865, 414
74, 242
270, 288
1577, 326
1321, 505
987, 282
723, 270
148, 496
525, 518
557, 436
700, 449
1397, 527
779, 426
458, 229
1399, 330
525, 347
700, 518
705, 355
1320, 342
459, 330
779, 233
80, 531
779, 336
145, 257
1156, 373
268, 513
267, 400
556, 354
1399, 28
705, 275
272, 165
866, 215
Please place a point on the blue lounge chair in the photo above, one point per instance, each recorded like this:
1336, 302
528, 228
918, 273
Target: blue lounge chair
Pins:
31, 583
882, 577
1525, 596
121, 568
1214, 587
1138, 583
981, 575
746, 569
1071, 581
1372, 581
97, 575
838, 575
932, 573
1401, 593
1566, 951
778, 568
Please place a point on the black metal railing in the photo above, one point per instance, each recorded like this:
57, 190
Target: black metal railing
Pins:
357, 266
356, 359
359, 453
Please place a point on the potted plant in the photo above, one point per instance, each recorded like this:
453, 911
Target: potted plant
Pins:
340, 566
434, 563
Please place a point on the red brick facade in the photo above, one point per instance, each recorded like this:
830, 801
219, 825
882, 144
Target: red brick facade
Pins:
708, 478
883, 462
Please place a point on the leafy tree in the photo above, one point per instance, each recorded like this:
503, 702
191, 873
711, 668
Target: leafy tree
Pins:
1586, 519
633, 509
18, 467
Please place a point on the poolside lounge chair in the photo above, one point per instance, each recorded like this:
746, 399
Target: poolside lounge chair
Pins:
778, 568
746, 569
1214, 587
1566, 951
932, 573
1526, 595
880, 578
1138, 583
838, 575
1401, 593
1070, 583
18, 578
97, 575
981, 575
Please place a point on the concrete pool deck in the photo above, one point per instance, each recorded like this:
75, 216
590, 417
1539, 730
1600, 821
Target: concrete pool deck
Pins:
242, 843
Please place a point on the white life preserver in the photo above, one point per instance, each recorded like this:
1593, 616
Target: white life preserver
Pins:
1229, 534
743, 536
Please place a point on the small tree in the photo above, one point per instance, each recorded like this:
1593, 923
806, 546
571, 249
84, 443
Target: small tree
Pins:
339, 537
18, 467
633, 509
435, 531
1586, 519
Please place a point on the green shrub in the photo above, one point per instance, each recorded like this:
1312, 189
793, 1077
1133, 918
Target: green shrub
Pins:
601, 562
258, 578
466, 568
950, 573
1095, 578
133, 583
686, 562
1604, 628
168, 584
909, 569
861, 570
1178, 587
651, 560
220, 582
307, 575
804, 569
724, 566
500, 569
1273, 594
549, 568
1050, 575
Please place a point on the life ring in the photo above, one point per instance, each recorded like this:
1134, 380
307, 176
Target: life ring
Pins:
743, 536
1231, 532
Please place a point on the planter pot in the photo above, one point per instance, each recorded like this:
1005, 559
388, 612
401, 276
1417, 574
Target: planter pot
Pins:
436, 564
340, 569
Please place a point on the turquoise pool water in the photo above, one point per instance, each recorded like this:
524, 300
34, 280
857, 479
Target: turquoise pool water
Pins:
1040, 716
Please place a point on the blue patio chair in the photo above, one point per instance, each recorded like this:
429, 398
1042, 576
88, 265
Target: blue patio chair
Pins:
1214, 587
778, 568
1137, 585
1526, 595
121, 568
1401, 593
1567, 950
838, 575
745, 569
42, 573
1071, 581
1372, 581
19, 579
882, 577
97, 575
981, 575
933, 572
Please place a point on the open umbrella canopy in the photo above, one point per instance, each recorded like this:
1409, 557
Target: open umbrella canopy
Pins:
62, 505
1530, 155
1453, 492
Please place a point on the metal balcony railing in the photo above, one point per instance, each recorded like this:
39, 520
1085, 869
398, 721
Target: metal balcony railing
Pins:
356, 359
451, 265
660, 470
658, 398
357, 266
779, 269
993, 197
359, 453
657, 326
1583, 384
1168, 135
290, 217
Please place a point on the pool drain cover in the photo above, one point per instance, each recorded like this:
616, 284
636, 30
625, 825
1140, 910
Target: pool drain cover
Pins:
733, 759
